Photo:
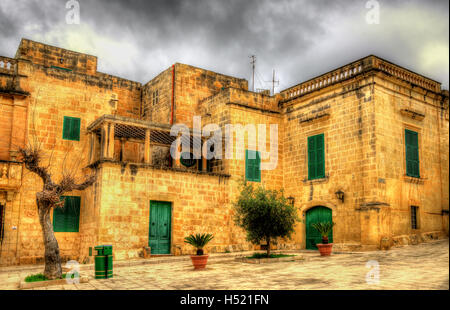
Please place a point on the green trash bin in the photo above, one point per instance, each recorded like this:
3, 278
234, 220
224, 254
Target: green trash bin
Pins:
107, 251
109, 266
103, 262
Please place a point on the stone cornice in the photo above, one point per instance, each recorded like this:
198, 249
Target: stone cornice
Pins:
359, 67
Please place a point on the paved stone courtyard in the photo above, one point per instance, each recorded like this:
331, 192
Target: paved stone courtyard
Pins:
424, 266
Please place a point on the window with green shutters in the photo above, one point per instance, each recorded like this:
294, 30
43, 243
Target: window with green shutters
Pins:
71, 128
412, 153
252, 166
67, 218
316, 157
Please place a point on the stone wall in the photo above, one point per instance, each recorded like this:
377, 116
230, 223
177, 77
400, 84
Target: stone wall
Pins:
37, 118
194, 84
200, 203
344, 114
47, 56
161, 111
430, 191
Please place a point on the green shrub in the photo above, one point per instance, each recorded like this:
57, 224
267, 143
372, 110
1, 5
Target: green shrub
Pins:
324, 229
264, 255
36, 278
199, 241
41, 277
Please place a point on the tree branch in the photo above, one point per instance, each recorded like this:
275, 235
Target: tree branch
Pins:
68, 183
32, 159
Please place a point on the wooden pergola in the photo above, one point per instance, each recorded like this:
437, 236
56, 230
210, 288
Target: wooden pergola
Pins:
106, 129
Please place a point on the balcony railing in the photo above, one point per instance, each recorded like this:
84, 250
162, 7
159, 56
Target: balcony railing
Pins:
121, 139
8, 65
356, 68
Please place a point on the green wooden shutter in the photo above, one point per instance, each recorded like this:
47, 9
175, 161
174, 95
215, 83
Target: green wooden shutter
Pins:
67, 218
320, 156
66, 128
412, 153
256, 167
316, 157
248, 171
71, 128
252, 166
73, 214
59, 219
76, 129
311, 158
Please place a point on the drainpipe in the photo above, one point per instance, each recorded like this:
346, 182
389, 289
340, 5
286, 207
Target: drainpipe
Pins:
172, 106
173, 95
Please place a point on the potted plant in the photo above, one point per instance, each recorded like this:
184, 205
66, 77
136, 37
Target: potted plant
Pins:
324, 229
199, 241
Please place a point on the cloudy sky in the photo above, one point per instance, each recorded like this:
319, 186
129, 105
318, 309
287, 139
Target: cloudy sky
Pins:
299, 39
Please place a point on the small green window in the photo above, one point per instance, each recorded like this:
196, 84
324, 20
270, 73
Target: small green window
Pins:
412, 153
316, 157
71, 128
252, 166
67, 218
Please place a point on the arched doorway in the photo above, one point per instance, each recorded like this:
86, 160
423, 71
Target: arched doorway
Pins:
316, 215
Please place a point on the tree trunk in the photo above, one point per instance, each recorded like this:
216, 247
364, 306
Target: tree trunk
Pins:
268, 247
52, 258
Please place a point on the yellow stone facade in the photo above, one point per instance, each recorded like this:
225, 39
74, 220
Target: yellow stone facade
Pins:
362, 109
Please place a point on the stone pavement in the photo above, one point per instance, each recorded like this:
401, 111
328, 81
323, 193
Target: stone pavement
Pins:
424, 266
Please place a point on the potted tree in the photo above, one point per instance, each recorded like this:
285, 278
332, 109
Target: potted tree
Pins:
324, 229
199, 241
265, 214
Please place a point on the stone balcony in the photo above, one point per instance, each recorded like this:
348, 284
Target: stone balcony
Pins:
10, 177
10, 78
8, 65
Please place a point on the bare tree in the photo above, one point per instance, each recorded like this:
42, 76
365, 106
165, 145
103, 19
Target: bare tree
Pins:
46, 200
33, 157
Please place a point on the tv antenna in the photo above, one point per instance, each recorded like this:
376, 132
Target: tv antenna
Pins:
252, 62
273, 82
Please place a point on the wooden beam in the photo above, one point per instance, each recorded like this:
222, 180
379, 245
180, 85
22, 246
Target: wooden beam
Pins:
147, 148
107, 144
111, 141
92, 138
104, 141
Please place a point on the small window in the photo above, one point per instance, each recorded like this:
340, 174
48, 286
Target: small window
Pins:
71, 128
252, 166
412, 153
414, 222
316, 157
155, 97
67, 218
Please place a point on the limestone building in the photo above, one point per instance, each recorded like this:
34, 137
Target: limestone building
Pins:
365, 145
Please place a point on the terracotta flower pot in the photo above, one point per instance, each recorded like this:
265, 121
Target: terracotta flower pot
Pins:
199, 261
325, 249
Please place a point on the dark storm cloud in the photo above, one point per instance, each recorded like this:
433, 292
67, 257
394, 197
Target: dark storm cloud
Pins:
300, 39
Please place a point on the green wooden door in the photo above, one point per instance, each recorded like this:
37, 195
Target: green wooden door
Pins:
316, 215
160, 227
